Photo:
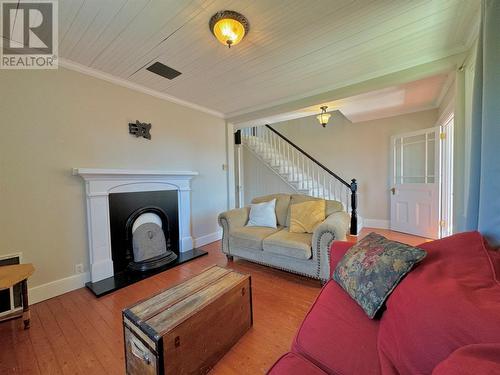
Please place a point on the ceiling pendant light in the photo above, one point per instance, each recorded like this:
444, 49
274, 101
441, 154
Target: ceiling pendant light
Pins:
323, 117
229, 27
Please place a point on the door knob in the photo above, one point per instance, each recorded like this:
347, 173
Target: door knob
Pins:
393, 190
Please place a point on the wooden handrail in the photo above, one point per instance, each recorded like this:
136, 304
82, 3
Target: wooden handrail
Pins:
353, 186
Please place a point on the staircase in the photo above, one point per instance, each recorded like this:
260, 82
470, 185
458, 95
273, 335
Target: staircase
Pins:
298, 169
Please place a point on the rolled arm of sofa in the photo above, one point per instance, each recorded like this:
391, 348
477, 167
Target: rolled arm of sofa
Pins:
335, 227
232, 219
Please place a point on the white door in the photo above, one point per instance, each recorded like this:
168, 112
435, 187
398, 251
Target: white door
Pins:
415, 183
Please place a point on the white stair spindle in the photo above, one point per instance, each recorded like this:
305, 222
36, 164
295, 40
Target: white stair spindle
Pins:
302, 171
325, 186
275, 156
277, 150
308, 174
268, 145
317, 186
272, 148
295, 164
347, 200
279, 155
264, 141
294, 156
314, 181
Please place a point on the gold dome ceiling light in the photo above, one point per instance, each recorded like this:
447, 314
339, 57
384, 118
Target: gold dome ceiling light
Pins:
323, 117
229, 27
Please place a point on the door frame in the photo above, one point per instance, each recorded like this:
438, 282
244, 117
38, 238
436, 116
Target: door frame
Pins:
446, 138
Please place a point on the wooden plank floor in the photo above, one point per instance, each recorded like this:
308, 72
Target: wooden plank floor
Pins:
77, 333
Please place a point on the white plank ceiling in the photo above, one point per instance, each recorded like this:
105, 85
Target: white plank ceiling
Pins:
294, 47
414, 96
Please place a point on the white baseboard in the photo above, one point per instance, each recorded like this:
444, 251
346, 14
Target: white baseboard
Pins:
376, 223
209, 238
55, 288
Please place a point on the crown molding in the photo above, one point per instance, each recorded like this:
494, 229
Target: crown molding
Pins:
71, 65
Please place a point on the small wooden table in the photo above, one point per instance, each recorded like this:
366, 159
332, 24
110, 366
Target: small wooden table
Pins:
10, 276
187, 328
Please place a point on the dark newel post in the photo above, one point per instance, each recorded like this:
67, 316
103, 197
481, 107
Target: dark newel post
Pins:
237, 137
354, 207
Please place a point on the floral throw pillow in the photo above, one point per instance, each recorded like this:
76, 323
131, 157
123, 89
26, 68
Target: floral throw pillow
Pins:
371, 269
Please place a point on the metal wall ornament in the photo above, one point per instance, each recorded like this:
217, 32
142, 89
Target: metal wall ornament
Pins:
140, 129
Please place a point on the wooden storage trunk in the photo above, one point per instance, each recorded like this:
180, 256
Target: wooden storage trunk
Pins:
186, 329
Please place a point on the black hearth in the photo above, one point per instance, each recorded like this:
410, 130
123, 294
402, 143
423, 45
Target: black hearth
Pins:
144, 230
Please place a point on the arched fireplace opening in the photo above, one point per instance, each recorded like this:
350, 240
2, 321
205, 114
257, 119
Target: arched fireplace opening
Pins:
144, 225
147, 235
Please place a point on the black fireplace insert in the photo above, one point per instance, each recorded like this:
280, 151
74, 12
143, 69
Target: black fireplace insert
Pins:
145, 239
131, 212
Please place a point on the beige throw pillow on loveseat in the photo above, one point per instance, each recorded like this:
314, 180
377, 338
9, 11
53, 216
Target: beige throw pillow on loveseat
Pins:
330, 205
305, 216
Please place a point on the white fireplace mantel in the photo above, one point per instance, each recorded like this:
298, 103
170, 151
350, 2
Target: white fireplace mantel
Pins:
99, 183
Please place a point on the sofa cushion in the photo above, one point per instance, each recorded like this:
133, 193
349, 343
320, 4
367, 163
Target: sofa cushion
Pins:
471, 360
294, 364
337, 336
372, 268
282, 202
331, 206
250, 237
296, 245
306, 216
451, 300
262, 214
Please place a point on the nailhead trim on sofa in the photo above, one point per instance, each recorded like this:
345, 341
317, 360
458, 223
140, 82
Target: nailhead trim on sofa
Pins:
318, 253
225, 249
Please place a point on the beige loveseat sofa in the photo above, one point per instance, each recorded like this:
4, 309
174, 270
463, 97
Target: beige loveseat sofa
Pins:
302, 253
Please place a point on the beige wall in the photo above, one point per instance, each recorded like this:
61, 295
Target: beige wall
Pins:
447, 104
359, 150
53, 121
259, 180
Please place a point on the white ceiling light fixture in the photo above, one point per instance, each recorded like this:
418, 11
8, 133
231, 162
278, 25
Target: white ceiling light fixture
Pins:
323, 117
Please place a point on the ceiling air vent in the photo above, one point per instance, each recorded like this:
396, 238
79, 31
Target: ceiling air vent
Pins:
163, 70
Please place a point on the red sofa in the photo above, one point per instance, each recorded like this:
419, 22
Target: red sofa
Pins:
443, 318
